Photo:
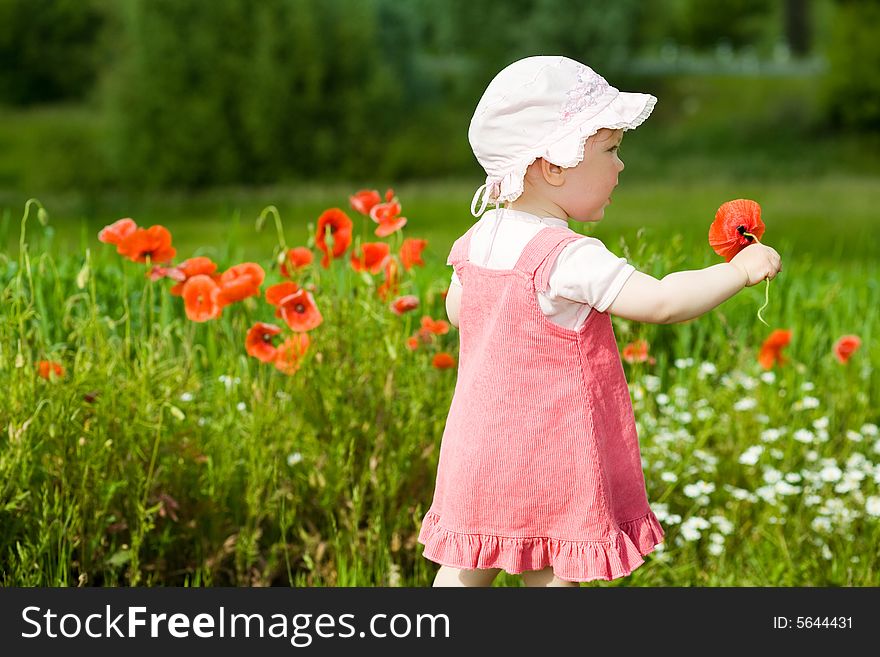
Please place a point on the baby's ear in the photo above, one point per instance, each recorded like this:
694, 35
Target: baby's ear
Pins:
550, 172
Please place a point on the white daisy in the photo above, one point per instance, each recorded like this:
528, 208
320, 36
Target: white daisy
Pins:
869, 429
830, 473
699, 488
751, 455
803, 435
707, 368
652, 383
745, 404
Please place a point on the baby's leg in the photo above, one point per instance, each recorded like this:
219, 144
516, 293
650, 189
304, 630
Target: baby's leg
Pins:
545, 577
449, 576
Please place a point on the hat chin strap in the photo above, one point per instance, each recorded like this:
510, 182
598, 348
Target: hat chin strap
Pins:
483, 188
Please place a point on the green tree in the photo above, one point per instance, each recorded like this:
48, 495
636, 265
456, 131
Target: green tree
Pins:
48, 49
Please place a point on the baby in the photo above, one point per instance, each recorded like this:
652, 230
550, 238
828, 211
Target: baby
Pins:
540, 469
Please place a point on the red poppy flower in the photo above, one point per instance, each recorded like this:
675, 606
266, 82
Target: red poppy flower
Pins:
846, 346
49, 368
435, 326
372, 257
637, 352
240, 282
275, 293
771, 351
737, 224
117, 231
389, 194
387, 228
153, 242
340, 227
258, 342
387, 215
297, 258
299, 311
201, 298
190, 268
412, 343
288, 355
404, 304
364, 200
443, 361
411, 252
385, 211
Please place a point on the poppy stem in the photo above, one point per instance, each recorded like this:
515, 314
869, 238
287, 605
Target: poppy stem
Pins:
766, 301
278, 227
766, 290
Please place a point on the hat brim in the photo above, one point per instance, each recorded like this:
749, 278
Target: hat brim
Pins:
627, 111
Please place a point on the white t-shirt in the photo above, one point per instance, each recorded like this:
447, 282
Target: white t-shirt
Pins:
586, 274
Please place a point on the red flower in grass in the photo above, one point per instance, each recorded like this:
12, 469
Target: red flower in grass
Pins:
737, 224
846, 346
444, 293
637, 352
276, 293
435, 326
188, 269
412, 343
387, 215
117, 231
201, 298
364, 200
339, 225
258, 342
404, 304
240, 282
391, 286
771, 350
411, 252
443, 361
153, 242
372, 258
296, 258
289, 354
295, 305
49, 368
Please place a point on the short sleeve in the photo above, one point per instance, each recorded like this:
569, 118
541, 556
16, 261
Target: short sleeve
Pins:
587, 272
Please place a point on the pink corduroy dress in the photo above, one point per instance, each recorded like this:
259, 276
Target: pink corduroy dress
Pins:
539, 463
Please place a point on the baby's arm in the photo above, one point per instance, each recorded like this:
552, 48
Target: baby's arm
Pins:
684, 295
453, 301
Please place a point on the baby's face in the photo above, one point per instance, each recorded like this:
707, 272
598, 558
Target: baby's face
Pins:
588, 186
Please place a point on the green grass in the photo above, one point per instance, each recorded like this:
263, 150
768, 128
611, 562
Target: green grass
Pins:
167, 456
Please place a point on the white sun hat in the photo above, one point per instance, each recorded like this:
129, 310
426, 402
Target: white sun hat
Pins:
544, 106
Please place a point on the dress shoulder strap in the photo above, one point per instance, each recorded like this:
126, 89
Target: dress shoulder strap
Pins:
538, 256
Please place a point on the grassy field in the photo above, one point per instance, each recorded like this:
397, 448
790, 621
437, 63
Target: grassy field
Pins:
166, 456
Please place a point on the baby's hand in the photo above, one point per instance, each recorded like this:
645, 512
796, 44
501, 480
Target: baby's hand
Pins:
758, 262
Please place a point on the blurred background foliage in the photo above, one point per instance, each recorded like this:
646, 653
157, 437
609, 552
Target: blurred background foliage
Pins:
188, 94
